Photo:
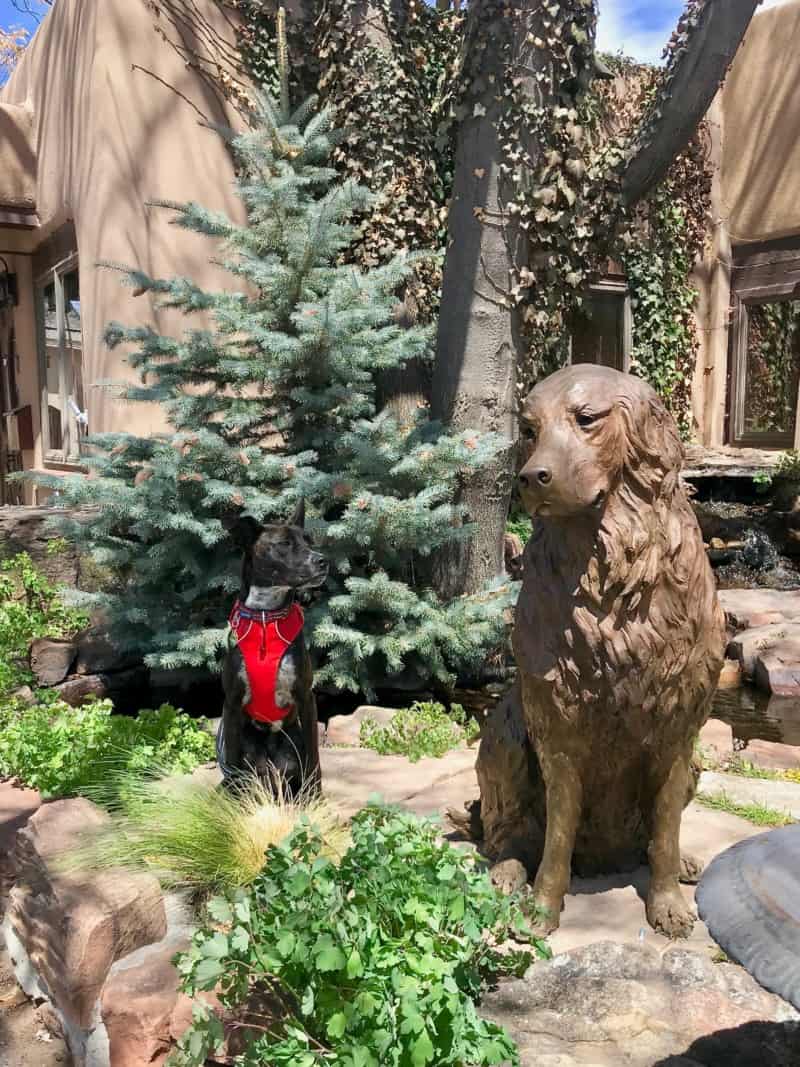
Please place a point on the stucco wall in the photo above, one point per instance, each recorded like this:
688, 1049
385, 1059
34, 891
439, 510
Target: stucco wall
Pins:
761, 105
118, 121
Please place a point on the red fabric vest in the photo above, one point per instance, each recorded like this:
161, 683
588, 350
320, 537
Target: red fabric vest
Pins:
263, 638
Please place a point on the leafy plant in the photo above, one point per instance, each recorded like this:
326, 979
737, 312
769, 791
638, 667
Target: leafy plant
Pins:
195, 836
427, 728
30, 607
376, 962
521, 525
63, 751
789, 466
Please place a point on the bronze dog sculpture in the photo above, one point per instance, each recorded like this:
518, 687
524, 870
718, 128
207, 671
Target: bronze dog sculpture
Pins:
269, 719
619, 642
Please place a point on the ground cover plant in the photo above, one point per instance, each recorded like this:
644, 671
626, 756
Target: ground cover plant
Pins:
65, 751
376, 961
427, 728
30, 607
758, 814
194, 836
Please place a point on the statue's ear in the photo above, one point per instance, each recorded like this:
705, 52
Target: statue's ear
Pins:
299, 517
244, 530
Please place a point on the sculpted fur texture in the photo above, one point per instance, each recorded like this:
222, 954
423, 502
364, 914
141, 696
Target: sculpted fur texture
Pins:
619, 641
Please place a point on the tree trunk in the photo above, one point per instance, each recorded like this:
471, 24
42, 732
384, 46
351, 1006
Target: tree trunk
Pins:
480, 332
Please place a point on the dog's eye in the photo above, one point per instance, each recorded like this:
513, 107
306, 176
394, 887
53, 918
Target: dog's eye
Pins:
585, 419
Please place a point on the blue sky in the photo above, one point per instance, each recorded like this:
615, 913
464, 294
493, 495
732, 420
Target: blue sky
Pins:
640, 28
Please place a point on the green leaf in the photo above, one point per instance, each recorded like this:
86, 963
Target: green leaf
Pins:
355, 967
422, 1051
207, 972
337, 1024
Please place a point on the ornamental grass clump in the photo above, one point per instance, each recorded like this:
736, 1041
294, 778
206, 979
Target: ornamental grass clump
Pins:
195, 836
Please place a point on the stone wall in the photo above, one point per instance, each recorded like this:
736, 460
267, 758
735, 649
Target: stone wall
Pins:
26, 529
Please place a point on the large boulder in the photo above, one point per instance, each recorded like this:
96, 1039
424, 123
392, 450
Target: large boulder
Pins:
611, 1004
346, 729
51, 658
68, 928
746, 608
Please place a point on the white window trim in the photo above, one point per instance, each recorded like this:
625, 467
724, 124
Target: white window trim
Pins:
66, 457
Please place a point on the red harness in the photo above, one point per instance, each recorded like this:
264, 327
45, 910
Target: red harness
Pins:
263, 639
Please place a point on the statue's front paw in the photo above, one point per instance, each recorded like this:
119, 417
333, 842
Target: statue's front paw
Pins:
546, 913
691, 869
669, 914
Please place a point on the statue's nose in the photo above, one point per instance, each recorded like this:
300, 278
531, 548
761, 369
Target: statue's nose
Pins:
542, 475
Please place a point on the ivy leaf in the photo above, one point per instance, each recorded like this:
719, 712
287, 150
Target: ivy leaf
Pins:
337, 1024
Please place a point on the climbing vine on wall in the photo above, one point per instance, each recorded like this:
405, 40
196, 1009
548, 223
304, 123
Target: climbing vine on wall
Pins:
399, 77
386, 79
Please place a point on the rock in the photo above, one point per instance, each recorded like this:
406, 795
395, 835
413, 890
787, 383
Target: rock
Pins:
716, 740
72, 926
746, 608
345, 729
777, 668
25, 694
142, 1008
716, 542
122, 684
26, 529
610, 1004
98, 655
773, 756
50, 659
749, 898
748, 645
731, 675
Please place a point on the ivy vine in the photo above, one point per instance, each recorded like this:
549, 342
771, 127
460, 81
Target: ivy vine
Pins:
399, 83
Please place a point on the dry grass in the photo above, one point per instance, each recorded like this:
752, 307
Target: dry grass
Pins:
195, 836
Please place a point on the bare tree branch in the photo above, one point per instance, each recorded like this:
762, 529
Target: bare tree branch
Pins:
32, 7
697, 70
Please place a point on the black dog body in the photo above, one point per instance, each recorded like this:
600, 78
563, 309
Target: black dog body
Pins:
278, 563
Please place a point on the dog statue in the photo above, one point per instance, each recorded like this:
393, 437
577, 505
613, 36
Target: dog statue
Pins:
619, 642
269, 719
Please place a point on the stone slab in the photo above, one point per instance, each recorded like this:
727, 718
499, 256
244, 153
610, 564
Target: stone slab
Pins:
748, 645
345, 729
782, 796
629, 1005
777, 669
745, 608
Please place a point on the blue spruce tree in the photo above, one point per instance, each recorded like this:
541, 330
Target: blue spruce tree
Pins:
277, 400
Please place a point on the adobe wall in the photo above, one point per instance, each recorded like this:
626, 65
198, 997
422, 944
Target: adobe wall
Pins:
118, 121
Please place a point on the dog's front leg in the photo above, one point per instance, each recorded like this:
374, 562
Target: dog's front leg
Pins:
667, 910
237, 693
564, 793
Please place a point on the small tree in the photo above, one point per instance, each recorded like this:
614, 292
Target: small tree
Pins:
277, 399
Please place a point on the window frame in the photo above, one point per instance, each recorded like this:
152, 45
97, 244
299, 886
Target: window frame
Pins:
56, 457
614, 287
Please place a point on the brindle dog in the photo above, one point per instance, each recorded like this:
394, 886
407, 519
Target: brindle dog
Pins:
278, 564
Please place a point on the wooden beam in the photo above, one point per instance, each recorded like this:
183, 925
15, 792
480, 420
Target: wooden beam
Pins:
695, 76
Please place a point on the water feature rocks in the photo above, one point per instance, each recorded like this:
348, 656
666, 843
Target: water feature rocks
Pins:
750, 645
746, 608
609, 1004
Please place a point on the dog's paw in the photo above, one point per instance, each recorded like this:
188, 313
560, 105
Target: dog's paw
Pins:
669, 914
509, 876
691, 869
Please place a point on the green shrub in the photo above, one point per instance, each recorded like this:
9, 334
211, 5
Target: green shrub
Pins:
424, 729
30, 607
376, 962
63, 751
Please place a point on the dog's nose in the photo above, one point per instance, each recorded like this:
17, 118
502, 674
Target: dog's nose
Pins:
543, 476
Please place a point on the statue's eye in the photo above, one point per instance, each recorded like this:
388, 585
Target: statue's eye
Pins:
528, 432
585, 419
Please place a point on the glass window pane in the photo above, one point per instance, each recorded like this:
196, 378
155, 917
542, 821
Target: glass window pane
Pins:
597, 330
772, 370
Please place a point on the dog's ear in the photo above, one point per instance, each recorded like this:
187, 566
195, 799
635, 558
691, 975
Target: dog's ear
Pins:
299, 517
654, 451
244, 530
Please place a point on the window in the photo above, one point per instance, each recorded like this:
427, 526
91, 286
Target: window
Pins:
600, 331
766, 372
61, 362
